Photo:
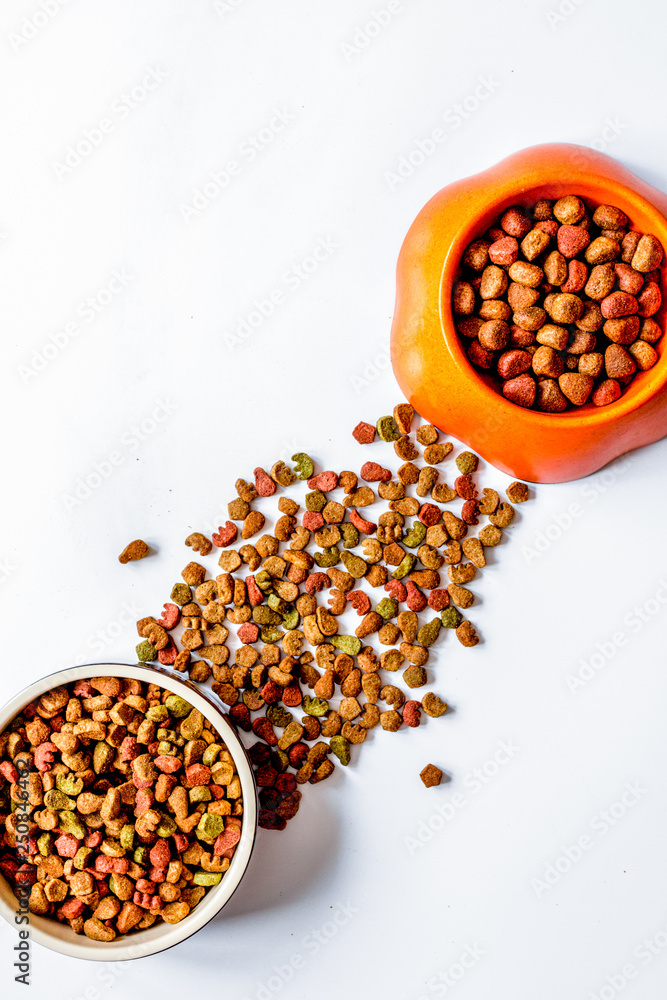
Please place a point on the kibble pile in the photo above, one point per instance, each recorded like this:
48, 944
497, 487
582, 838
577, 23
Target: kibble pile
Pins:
307, 690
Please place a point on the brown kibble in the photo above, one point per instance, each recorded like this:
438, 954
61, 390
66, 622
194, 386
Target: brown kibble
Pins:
644, 355
518, 492
576, 386
431, 775
618, 363
648, 254
138, 549
569, 210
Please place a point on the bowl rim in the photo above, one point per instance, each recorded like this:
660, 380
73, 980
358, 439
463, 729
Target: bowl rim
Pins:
59, 937
514, 192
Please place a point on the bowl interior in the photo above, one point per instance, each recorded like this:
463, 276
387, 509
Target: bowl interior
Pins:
595, 190
60, 937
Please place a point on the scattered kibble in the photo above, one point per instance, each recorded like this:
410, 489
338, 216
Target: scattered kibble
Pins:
138, 549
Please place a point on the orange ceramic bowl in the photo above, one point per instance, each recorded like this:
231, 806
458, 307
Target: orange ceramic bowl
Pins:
428, 358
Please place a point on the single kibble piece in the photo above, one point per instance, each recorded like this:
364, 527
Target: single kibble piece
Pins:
431, 775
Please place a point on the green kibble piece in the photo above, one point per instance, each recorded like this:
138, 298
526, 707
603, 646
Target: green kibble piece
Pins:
279, 716
341, 747
69, 822
291, 620
451, 617
271, 633
55, 799
264, 580
127, 836
349, 644
414, 676
349, 533
80, 859
316, 500
387, 429
429, 632
280, 761
167, 734
206, 878
210, 754
467, 463
277, 604
166, 827
210, 827
315, 706
405, 566
141, 855
329, 557
415, 535
262, 615
103, 756
177, 706
200, 793
157, 713
146, 651
165, 747
303, 465
69, 784
181, 594
44, 843
387, 608
355, 565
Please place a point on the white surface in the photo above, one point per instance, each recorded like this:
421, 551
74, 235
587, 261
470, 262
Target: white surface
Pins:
315, 367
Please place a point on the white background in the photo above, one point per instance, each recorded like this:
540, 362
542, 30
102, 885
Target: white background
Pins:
162, 345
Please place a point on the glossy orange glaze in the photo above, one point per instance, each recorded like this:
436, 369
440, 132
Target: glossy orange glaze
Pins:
430, 364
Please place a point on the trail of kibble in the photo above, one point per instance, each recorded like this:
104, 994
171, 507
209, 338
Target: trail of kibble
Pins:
293, 657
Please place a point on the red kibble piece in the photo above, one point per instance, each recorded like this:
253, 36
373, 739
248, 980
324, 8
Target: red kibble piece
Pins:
465, 487
130, 748
152, 747
618, 304
270, 820
255, 595
396, 589
167, 763
271, 693
429, 514
324, 481
227, 840
84, 689
607, 392
240, 716
548, 226
520, 390
181, 840
225, 536
372, 472
572, 240
168, 655
312, 520
292, 696
197, 774
170, 617
360, 601
117, 866
438, 599
515, 222
577, 276
364, 433
144, 801
412, 714
504, 251
480, 357
259, 754
263, 728
264, 485
72, 908
93, 839
146, 885
157, 874
469, 512
650, 299
297, 754
25, 875
415, 600
266, 776
248, 633
160, 854
44, 756
9, 772
286, 784
360, 523
316, 582
513, 363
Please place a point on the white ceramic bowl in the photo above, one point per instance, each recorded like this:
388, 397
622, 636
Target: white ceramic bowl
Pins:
60, 937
